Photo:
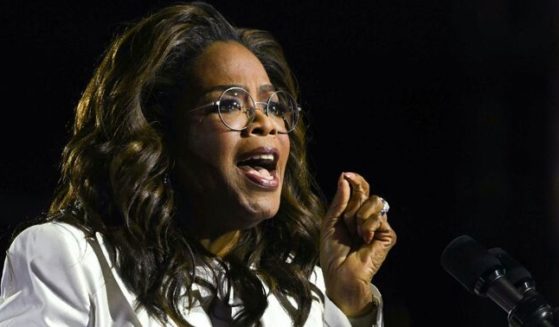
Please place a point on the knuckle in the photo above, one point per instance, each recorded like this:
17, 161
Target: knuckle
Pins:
366, 185
363, 216
359, 190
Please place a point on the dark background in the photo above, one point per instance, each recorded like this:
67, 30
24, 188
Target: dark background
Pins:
447, 107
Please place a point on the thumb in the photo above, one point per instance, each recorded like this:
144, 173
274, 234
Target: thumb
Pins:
339, 203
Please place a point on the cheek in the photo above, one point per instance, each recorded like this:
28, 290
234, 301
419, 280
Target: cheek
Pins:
203, 161
212, 147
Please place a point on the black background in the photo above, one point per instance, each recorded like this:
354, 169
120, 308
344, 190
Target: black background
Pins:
445, 106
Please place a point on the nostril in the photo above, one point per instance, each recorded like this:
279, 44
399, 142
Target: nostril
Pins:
259, 130
261, 124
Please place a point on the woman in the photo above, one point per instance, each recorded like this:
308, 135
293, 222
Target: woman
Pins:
185, 198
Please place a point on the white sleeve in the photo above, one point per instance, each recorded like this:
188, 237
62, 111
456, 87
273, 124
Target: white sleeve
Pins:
45, 281
334, 316
374, 318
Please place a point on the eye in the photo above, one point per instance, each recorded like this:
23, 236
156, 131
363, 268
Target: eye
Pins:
230, 105
279, 109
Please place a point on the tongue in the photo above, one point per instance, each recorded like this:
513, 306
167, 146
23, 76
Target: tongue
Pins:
264, 173
261, 172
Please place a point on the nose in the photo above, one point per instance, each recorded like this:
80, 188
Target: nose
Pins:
261, 124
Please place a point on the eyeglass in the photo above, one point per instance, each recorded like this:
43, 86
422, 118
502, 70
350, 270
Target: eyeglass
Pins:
237, 109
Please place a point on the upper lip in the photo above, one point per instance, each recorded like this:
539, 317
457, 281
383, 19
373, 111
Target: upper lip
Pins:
258, 151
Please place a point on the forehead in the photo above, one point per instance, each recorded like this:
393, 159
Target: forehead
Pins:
228, 63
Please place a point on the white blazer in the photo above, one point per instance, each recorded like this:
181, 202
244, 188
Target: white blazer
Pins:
54, 277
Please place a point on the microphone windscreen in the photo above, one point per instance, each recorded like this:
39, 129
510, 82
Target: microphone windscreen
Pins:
467, 261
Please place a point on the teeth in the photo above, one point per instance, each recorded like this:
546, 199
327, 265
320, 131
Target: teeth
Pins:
262, 157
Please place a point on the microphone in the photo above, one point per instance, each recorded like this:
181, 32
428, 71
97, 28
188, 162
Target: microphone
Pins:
519, 276
495, 274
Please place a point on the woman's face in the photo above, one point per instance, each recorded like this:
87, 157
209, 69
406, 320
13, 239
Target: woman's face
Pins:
232, 179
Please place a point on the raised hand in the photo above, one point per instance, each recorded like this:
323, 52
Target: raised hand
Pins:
355, 240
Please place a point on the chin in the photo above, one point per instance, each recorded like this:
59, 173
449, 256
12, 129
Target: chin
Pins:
263, 213
256, 213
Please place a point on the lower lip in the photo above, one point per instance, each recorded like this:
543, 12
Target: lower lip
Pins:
267, 184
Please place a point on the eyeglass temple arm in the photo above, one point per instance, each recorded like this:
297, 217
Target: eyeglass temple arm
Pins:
205, 106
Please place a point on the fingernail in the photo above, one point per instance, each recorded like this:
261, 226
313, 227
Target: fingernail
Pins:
348, 175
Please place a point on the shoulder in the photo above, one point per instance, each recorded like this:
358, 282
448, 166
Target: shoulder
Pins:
51, 272
49, 232
55, 242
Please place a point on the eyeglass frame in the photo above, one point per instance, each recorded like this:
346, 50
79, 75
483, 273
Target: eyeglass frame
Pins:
216, 103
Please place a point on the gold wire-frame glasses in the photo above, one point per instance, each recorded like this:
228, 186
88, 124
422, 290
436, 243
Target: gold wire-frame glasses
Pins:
237, 109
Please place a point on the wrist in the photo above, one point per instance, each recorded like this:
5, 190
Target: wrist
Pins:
354, 302
369, 310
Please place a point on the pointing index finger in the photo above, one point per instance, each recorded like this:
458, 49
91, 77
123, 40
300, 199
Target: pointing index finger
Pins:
340, 201
359, 193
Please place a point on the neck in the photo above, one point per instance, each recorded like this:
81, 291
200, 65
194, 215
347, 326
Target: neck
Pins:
218, 241
223, 244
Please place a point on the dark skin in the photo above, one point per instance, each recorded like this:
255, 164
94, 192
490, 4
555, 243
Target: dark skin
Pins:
355, 238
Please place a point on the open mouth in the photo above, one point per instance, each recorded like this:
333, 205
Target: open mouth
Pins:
260, 167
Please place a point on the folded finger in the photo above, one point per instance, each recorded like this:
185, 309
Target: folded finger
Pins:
367, 216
